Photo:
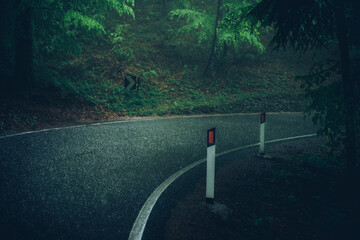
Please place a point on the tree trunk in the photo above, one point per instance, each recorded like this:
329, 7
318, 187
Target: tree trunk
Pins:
224, 54
348, 88
215, 37
24, 73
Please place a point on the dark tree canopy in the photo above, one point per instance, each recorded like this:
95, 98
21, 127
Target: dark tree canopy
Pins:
300, 24
309, 24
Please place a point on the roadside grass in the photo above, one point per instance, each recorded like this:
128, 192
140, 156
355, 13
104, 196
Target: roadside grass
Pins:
178, 95
95, 83
172, 81
181, 89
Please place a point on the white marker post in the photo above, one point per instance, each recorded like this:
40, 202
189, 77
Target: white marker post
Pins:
262, 132
210, 166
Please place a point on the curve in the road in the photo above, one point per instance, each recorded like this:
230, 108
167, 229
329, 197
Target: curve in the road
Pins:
141, 220
131, 120
80, 182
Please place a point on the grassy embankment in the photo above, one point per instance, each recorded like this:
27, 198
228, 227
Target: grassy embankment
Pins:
90, 87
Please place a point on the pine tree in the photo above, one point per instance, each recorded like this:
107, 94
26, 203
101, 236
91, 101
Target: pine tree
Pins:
310, 24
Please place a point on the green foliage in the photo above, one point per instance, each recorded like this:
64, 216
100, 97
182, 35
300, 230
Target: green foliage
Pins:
147, 75
52, 80
235, 30
73, 60
197, 23
320, 84
310, 24
319, 87
62, 26
121, 50
123, 7
190, 73
74, 20
61, 29
299, 24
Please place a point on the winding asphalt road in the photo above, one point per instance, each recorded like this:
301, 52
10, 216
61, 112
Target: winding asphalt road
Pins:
90, 182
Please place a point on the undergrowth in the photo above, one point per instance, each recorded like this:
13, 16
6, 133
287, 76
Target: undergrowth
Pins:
171, 76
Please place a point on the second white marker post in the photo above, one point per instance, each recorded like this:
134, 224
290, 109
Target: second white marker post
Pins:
262, 132
210, 166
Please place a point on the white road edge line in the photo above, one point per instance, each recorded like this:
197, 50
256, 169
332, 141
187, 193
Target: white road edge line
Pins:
141, 220
137, 120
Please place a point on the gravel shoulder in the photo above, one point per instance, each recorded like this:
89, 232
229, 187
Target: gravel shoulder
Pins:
296, 192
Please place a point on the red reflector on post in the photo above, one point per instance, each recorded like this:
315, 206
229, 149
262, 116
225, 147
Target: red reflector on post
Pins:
211, 137
262, 118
